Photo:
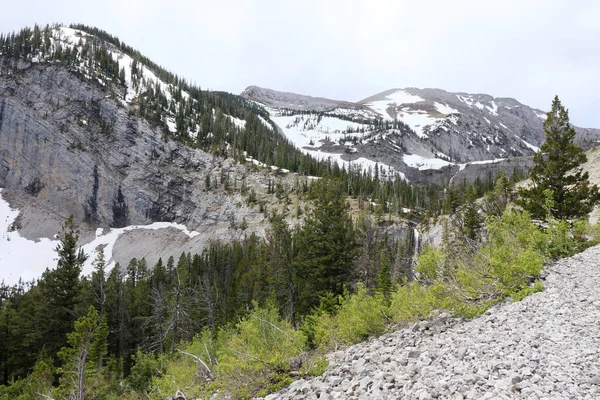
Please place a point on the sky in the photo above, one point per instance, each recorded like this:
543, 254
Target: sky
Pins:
530, 50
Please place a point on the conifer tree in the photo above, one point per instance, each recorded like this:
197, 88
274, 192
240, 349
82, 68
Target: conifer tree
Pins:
557, 171
87, 345
60, 289
327, 244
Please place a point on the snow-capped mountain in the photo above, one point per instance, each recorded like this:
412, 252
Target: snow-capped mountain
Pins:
425, 134
143, 160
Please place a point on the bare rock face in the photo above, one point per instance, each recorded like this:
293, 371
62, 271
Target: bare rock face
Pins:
67, 146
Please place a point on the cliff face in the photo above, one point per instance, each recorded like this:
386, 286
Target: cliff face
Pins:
68, 146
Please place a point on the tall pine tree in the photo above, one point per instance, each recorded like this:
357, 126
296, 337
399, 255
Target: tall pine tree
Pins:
327, 243
60, 289
557, 172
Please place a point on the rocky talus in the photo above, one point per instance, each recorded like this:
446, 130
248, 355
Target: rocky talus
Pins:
544, 347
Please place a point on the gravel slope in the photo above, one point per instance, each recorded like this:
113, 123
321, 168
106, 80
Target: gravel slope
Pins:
544, 347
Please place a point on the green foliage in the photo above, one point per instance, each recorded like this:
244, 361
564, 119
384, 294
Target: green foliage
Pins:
255, 356
412, 302
558, 169
35, 384
327, 243
315, 366
431, 263
514, 253
145, 367
60, 288
81, 374
469, 282
258, 352
358, 316
537, 287
496, 201
385, 285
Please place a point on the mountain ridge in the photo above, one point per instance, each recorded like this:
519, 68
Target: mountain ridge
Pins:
411, 131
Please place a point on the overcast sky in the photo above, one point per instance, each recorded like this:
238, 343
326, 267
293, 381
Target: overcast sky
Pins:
349, 50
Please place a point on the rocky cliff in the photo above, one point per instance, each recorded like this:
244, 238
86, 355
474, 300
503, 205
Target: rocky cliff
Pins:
67, 146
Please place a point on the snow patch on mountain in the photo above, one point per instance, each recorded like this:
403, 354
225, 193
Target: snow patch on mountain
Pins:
20, 257
25, 259
529, 145
417, 121
445, 109
422, 163
397, 97
106, 241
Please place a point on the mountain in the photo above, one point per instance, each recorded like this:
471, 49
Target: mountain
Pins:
428, 135
91, 128
148, 164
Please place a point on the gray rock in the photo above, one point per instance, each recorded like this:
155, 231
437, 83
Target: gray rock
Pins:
481, 360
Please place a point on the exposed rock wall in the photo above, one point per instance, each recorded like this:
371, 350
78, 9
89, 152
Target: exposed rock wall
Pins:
68, 146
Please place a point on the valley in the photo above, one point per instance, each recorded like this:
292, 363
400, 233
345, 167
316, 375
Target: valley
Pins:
159, 238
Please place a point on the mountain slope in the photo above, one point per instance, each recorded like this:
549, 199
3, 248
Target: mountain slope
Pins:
544, 346
415, 131
89, 127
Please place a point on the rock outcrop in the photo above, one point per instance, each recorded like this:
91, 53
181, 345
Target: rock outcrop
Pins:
68, 146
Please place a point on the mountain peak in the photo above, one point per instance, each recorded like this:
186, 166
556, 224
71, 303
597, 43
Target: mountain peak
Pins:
293, 101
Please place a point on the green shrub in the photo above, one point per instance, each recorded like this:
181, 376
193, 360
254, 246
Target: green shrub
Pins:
258, 354
412, 302
145, 366
357, 317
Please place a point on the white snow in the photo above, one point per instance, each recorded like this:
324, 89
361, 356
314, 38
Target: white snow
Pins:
418, 121
28, 259
301, 130
171, 124
422, 163
529, 145
496, 160
69, 36
445, 109
487, 120
108, 240
468, 100
264, 121
19, 257
396, 98
493, 109
239, 123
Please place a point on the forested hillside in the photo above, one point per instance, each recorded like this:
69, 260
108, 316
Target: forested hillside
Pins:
247, 317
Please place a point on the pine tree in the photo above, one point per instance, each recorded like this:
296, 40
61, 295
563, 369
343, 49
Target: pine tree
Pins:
557, 171
60, 289
471, 220
282, 274
82, 358
327, 244
384, 281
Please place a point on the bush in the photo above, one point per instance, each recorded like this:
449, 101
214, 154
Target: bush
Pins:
145, 366
357, 317
412, 302
258, 354
472, 280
